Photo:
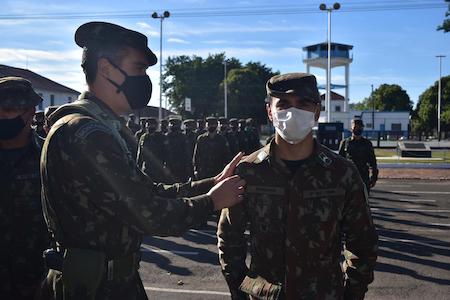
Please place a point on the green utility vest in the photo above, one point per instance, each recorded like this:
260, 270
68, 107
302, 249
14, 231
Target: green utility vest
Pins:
83, 270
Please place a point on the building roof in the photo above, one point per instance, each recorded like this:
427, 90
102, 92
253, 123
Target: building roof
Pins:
153, 111
313, 47
37, 81
334, 96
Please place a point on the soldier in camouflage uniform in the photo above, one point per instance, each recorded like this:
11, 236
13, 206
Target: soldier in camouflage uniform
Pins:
243, 138
178, 163
211, 151
253, 135
131, 124
151, 156
360, 150
163, 126
96, 202
302, 201
143, 129
39, 121
201, 127
24, 235
232, 137
191, 138
47, 112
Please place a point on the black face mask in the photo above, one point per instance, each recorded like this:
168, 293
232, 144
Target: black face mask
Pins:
212, 129
357, 131
10, 128
137, 89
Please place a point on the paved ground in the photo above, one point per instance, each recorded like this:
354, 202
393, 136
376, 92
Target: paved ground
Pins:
413, 221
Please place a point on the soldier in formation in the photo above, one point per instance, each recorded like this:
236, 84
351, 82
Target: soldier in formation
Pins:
97, 204
24, 235
360, 150
211, 152
142, 129
302, 201
177, 161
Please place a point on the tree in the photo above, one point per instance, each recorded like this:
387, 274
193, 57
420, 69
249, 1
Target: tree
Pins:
425, 118
247, 91
202, 80
390, 97
195, 78
446, 23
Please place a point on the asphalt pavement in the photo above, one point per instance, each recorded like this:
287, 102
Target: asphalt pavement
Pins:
413, 222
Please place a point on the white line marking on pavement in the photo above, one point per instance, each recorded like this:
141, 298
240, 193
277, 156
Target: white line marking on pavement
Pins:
149, 249
440, 224
422, 192
148, 288
426, 243
412, 210
414, 200
205, 233
396, 185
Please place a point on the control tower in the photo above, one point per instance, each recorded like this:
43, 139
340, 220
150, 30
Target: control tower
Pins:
317, 56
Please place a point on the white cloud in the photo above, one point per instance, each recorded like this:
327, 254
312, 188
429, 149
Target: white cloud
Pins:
177, 41
148, 29
31, 55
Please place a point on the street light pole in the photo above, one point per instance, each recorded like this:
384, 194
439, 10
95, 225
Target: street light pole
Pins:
323, 7
439, 97
155, 15
225, 89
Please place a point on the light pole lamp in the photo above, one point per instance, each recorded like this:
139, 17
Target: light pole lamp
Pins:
225, 88
161, 17
440, 57
324, 7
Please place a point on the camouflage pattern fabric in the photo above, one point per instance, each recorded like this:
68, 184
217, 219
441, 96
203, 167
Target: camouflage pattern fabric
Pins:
22, 227
191, 139
361, 152
211, 154
151, 156
178, 162
95, 198
297, 222
233, 141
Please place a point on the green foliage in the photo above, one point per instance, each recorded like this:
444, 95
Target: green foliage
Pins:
202, 80
446, 23
387, 97
425, 118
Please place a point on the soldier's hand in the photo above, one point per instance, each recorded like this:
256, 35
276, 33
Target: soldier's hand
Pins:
228, 192
229, 168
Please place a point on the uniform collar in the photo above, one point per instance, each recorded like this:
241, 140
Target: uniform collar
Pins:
109, 114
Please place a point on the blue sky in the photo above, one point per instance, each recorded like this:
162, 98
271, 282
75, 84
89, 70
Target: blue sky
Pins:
390, 46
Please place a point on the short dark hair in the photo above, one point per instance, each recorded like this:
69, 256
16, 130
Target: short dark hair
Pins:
91, 55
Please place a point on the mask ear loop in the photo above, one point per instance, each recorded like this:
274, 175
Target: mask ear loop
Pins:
118, 86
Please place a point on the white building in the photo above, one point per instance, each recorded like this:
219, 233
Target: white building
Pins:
52, 93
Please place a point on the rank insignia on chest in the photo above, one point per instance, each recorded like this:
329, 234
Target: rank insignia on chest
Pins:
266, 190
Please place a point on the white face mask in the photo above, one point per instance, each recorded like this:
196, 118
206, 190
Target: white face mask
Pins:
293, 124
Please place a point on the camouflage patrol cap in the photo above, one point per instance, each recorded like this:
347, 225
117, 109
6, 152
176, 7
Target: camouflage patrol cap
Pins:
49, 110
100, 34
233, 121
358, 121
302, 85
223, 120
209, 119
17, 93
189, 121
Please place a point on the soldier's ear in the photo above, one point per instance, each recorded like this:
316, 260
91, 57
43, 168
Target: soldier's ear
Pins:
103, 67
317, 111
269, 111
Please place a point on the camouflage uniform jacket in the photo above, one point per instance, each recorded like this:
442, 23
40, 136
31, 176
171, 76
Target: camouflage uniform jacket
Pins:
211, 154
296, 224
23, 232
151, 156
360, 151
96, 198
233, 141
178, 162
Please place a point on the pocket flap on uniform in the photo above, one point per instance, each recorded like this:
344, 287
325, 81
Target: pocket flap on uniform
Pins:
323, 193
266, 190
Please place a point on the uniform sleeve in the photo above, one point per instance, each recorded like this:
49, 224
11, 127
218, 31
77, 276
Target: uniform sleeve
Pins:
233, 248
342, 148
187, 189
103, 172
372, 157
361, 240
196, 157
140, 152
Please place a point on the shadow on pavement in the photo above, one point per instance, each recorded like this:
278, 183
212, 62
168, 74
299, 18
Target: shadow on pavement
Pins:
164, 263
403, 246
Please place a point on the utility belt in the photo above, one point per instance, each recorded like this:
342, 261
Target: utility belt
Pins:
81, 261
